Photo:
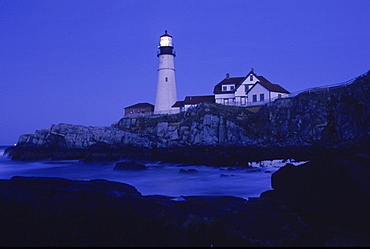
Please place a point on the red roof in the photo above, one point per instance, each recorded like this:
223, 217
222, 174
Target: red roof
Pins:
178, 104
140, 105
190, 100
271, 87
234, 80
199, 99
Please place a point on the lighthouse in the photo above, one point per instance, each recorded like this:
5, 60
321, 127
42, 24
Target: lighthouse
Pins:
166, 85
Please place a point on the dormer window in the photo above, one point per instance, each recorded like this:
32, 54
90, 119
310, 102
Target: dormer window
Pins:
232, 88
224, 88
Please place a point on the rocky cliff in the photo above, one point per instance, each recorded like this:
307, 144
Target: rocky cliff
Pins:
340, 115
334, 121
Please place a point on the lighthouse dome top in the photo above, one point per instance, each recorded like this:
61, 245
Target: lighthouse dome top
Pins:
166, 34
165, 40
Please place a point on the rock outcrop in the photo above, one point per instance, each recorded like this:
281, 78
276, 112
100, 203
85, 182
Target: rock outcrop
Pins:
341, 115
333, 122
75, 137
334, 190
37, 211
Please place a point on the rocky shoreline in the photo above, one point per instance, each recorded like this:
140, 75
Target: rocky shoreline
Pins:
304, 209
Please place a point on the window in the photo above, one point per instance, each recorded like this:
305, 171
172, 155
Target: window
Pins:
242, 100
262, 97
226, 101
232, 88
279, 95
251, 77
224, 88
246, 88
254, 97
166, 79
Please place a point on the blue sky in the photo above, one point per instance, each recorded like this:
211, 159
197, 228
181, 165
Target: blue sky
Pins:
83, 61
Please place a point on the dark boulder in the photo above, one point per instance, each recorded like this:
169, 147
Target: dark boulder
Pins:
334, 190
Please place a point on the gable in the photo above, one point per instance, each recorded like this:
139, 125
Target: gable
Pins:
246, 84
258, 88
251, 78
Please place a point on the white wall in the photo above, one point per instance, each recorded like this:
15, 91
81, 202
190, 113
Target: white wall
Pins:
187, 106
220, 98
241, 89
166, 85
275, 95
257, 90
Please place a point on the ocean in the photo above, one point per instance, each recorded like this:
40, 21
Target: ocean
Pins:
159, 178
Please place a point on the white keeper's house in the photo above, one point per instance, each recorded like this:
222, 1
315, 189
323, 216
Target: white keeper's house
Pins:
251, 90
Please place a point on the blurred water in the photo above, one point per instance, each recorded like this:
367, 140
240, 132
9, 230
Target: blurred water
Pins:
159, 178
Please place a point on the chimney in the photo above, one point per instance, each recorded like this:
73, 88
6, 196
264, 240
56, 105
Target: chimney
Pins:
252, 70
227, 75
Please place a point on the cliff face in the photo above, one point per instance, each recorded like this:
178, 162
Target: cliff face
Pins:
331, 117
336, 118
70, 137
207, 124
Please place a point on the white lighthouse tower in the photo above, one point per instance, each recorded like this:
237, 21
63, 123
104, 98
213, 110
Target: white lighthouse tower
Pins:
166, 86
